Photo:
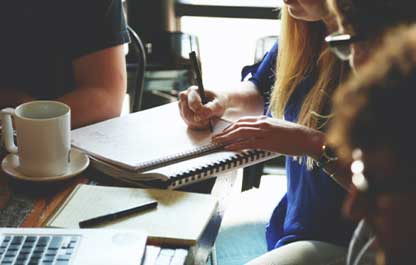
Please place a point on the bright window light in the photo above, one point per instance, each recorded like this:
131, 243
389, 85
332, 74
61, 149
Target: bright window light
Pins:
226, 45
256, 3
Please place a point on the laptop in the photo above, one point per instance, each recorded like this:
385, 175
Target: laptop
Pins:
24, 246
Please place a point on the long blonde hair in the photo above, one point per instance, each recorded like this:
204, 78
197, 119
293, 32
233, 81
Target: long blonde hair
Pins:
302, 52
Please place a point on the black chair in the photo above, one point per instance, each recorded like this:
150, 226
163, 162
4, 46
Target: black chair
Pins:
136, 61
252, 174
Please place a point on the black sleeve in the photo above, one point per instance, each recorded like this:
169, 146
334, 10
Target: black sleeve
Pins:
95, 25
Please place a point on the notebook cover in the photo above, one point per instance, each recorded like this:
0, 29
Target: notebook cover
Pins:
179, 219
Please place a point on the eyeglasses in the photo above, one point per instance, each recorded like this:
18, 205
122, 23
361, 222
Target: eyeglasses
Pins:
340, 44
391, 184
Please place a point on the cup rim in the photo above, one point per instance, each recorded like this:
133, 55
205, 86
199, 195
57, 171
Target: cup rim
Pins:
68, 109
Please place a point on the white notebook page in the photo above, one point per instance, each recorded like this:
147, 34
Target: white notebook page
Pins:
136, 139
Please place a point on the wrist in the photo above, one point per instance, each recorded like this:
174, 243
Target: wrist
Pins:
223, 100
316, 143
327, 156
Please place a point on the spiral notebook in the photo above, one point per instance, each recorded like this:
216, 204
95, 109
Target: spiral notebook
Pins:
155, 147
183, 173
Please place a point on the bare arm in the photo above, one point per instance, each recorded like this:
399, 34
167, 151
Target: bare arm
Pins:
100, 85
245, 99
284, 137
338, 170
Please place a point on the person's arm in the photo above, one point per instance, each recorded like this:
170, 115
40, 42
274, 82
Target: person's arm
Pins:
282, 137
245, 99
95, 45
336, 169
100, 85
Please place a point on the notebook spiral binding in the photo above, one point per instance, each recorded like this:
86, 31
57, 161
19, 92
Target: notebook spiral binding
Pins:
167, 160
197, 174
177, 179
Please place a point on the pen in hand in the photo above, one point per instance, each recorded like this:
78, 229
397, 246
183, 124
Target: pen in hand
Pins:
198, 79
116, 215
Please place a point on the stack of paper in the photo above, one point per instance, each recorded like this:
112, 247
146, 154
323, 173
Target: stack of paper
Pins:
156, 148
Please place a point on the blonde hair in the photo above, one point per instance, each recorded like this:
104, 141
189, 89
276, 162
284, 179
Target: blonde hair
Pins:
302, 52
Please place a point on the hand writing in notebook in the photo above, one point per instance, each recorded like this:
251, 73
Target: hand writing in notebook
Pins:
243, 99
197, 115
198, 78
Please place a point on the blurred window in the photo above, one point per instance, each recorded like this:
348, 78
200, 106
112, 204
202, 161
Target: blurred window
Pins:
227, 44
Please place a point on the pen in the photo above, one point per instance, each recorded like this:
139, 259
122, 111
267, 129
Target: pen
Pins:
198, 79
116, 215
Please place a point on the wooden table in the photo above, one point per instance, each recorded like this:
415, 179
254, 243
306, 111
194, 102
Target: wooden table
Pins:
24, 204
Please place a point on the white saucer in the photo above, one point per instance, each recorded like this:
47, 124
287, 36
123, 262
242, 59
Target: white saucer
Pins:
79, 162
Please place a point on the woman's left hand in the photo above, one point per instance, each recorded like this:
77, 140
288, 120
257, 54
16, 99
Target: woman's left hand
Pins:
273, 135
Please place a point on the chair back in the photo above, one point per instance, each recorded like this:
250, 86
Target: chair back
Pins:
136, 90
263, 45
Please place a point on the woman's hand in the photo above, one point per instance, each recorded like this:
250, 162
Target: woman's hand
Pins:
273, 135
194, 113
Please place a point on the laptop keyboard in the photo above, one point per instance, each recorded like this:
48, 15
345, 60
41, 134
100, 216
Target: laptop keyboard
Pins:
59, 249
33, 250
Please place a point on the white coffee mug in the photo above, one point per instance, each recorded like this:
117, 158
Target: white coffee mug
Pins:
43, 137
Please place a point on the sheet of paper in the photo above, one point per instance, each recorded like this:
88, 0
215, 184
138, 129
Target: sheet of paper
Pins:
142, 137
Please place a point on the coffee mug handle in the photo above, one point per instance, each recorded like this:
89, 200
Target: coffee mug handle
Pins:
6, 116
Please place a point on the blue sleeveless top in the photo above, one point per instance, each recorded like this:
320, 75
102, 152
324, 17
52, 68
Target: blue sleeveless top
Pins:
311, 208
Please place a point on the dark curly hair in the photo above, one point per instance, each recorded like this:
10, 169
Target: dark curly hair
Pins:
370, 18
373, 110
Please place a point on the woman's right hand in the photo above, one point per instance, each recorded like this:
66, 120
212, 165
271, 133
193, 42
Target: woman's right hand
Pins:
194, 113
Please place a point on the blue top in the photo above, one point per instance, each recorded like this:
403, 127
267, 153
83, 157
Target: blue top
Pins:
311, 208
